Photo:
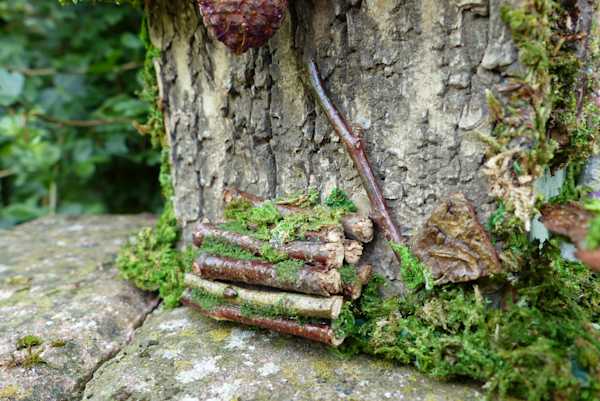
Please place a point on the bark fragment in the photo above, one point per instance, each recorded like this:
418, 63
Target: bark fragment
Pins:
570, 220
315, 280
302, 305
327, 254
313, 331
454, 245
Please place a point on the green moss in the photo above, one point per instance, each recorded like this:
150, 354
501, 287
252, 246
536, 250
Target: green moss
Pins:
58, 343
205, 300
348, 274
271, 254
296, 225
303, 199
217, 246
288, 271
544, 344
338, 199
28, 341
415, 274
279, 310
345, 324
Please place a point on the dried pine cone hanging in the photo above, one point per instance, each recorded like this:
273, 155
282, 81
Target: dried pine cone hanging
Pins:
242, 24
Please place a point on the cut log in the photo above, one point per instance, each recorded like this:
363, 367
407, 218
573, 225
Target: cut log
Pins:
328, 254
363, 275
316, 332
355, 226
352, 251
358, 227
326, 234
297, 304
307, 279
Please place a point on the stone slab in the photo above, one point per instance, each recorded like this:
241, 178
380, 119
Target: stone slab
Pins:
180, 355
58, 282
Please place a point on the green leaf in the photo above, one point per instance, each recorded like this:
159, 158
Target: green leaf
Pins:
11, 86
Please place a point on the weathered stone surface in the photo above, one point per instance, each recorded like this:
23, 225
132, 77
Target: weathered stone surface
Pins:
179, 355
58, 282
411, 73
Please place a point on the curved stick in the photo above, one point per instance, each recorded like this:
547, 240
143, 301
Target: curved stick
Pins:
356, 149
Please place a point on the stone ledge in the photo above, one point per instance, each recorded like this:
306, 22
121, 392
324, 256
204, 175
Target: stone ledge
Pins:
58, 282
180, 355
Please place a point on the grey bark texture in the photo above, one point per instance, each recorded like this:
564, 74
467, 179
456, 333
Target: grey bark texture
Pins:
410, 73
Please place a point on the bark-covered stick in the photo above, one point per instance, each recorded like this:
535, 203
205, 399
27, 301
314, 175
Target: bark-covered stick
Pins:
326, 234
302, 305
356, 150
307, 279
355, 226
329, 254
316, 332
363, 275
352, 251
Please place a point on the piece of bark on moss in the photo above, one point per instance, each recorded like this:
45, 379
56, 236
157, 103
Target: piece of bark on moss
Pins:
307, 279
297, 304
453, 244
316, 332
355, 226
353, 289
572, 220
329, 254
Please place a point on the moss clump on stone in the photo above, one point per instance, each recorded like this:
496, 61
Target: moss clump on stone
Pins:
541, 341
338, 199
28, 341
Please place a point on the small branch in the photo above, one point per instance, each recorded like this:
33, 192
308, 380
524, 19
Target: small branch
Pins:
81, 123
363, 275
316, 332
355, 226
356, 150
302, 305
328, 254
307, 279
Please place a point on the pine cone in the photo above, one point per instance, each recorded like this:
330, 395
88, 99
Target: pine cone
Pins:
242, 24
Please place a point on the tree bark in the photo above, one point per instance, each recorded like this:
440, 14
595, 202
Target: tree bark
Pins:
308, 279
412, 74
302, 305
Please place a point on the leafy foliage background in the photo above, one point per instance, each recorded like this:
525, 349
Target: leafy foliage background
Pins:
69, 78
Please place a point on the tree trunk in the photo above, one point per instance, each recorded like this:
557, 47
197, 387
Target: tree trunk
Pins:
411, 74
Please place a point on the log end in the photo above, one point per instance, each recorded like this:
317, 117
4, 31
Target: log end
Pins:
336, 306
337, 254
353, 251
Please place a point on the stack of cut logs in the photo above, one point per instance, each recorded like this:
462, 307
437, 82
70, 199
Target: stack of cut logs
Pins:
316, 292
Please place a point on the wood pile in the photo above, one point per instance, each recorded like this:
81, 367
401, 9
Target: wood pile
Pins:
296, 286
